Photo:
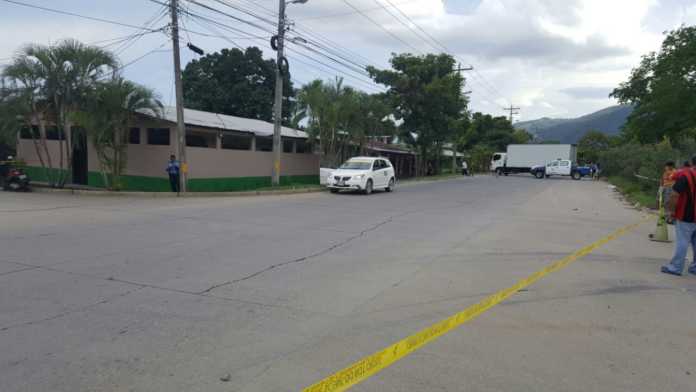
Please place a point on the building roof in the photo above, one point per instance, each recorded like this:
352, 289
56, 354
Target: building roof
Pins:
225, 122
389, 148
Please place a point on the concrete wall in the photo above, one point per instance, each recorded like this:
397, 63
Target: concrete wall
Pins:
27, 152
213, 163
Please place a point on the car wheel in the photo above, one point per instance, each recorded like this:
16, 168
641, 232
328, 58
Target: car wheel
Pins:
539, 175
391, 185
499, 171
576, 176
14, 186
368, 187
333, 190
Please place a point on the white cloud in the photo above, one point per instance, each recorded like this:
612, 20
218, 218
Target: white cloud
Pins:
547, 56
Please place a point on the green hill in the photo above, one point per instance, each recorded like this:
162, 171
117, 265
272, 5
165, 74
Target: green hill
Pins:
570, 130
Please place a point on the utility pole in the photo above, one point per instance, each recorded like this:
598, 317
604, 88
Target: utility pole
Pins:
278, 105
513, 111
459, 69
281, 69
180, 125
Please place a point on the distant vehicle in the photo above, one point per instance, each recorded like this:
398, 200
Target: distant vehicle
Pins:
520, 158
363, 174
561, 167
13, 178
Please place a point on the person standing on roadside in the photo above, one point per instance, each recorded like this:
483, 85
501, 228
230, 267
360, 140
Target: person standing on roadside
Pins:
682, 204
597, 171
465, 168
174, 170
666, 183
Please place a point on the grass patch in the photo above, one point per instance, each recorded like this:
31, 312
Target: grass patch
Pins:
635, 191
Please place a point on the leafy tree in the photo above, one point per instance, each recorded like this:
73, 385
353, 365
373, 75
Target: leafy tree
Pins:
108, 115
493, 132
235, 82
24, 104
521, 136
67, 72
591, 145
663, 90
427, 96
341, 118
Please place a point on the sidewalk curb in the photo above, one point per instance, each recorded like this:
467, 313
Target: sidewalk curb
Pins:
155, 195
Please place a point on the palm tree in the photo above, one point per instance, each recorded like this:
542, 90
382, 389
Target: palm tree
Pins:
333, 113
25, 105
69, 71
108, 114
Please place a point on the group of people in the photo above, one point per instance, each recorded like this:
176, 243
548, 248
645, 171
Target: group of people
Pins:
678, 190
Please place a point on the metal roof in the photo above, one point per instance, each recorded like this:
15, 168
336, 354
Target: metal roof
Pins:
225, 122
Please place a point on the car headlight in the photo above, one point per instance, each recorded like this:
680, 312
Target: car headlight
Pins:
359, 177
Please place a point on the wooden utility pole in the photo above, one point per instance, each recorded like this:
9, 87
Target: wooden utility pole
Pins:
459, 69
180, 125
278, 104
513, 111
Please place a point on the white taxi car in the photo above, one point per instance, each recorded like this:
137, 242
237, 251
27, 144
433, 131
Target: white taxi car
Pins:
363, 174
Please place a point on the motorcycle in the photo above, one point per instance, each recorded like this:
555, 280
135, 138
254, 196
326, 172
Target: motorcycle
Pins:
13, 178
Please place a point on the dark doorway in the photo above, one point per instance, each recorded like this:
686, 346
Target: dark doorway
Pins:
79, 159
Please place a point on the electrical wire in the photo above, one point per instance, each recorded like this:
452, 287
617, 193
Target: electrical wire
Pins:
396, 37
441, 46
369, 84
73, 14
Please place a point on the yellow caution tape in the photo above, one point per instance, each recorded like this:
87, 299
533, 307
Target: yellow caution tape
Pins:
366, 367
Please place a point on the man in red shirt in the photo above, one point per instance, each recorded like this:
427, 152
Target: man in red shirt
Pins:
682, 204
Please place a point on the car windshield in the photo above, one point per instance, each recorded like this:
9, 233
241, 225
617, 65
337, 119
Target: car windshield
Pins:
357, 165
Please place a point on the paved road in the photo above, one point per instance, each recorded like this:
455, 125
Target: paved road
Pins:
120, 294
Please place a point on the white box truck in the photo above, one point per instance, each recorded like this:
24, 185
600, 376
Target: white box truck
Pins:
520, 158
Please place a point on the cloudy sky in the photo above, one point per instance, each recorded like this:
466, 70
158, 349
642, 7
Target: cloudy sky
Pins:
550, 57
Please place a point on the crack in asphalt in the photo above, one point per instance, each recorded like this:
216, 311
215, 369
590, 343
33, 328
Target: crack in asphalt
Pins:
69, 312
41, 209
300, 259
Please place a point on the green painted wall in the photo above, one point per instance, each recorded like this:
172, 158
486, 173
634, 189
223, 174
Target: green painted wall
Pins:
158, 184
41, 174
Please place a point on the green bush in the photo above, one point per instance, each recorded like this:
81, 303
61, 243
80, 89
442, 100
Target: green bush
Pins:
622, 163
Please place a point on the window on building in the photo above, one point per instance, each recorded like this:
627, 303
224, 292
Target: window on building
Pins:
288, 145
232, 141
53, 134
134, 136
204, 139
158, 136
26, 132
302, 147
264, 143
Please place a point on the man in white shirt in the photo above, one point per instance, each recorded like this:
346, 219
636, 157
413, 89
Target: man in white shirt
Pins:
465, 168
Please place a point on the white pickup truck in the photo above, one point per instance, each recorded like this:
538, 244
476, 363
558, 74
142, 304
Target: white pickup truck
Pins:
561, 167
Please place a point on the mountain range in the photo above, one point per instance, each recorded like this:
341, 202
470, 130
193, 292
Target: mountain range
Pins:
570, 130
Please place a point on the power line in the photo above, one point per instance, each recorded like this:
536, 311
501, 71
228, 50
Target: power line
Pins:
245, 11
74, 14
513, 111
340, 14
247, 22
369, 83
440, 46
396, 37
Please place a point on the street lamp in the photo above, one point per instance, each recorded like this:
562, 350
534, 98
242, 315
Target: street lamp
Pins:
281, 69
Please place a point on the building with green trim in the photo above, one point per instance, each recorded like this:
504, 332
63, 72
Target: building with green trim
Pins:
224, 153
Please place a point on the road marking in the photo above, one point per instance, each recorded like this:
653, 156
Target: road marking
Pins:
369, 366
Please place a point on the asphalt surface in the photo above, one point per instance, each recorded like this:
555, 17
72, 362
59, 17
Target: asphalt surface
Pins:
275, 293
